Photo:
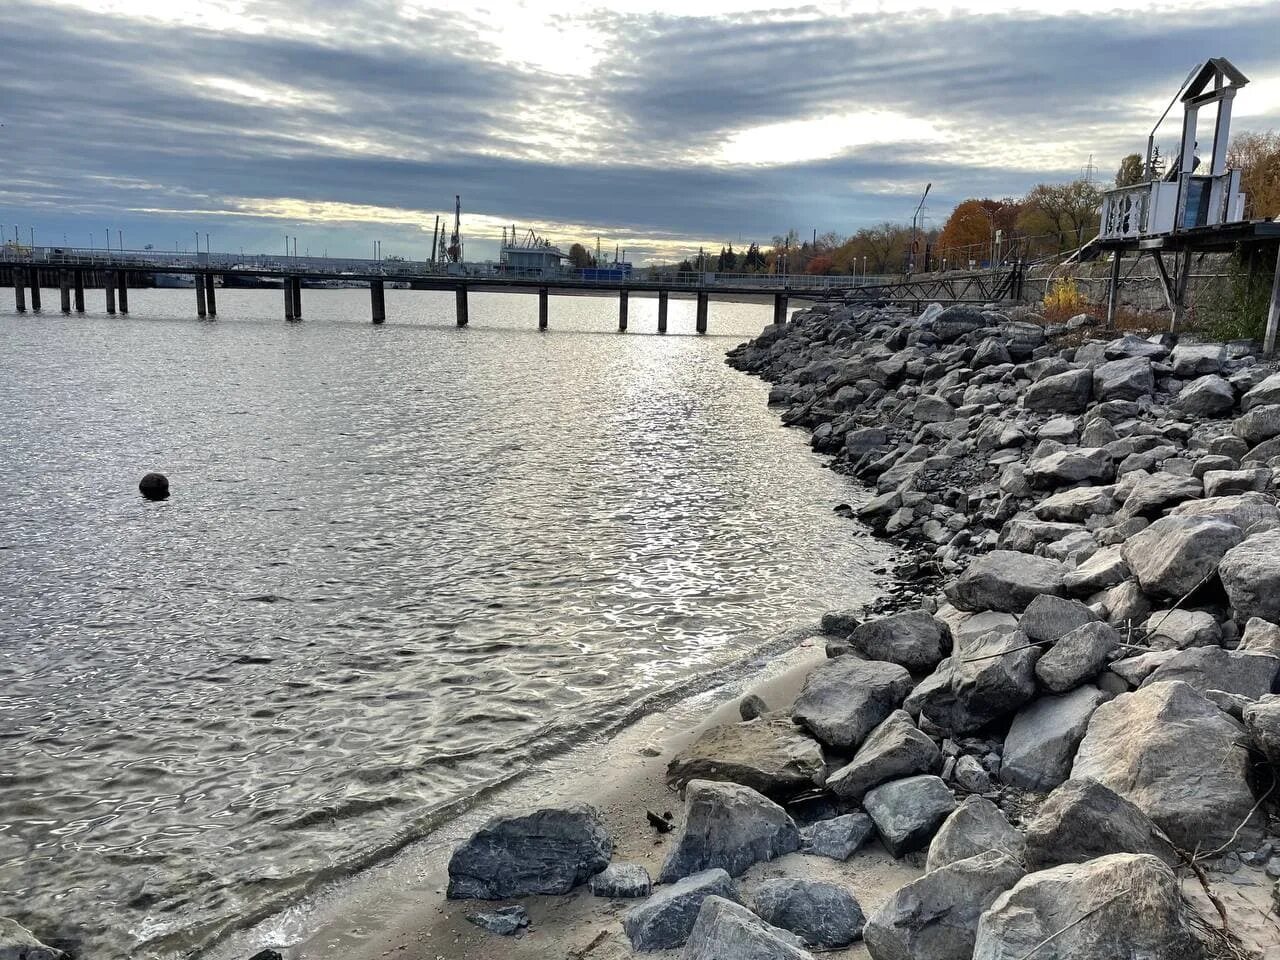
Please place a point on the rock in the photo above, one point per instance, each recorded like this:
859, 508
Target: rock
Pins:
1082, 820
1106, 568
1080, 465
729, 826
973, 828
1178, 758
1232, 704
954, 322
1224, 483
970, 775
752, 706
1212, 668
1047, 617
1121, 906
1260, 636
841, 623
1176, 554
1265, 452
666, 918
770, 755
547, 850
1250, 573
991, 678
930, 409
907, 812
1077, 657
838, 838
622, 881
1263, 394
936, 916
504, 921
1043, 738
1197, 359
914, 640
1076, 505
154, 486
1258, 424
1208, 396
991, 352
18, 943
1131, 345
844, 699
1262, 722
1128, 379
1243, 510
1178, 629
1136, 669
1006, 581
895, 749
724, 929
1125, 603
1067, 392
820, 914
1150, 496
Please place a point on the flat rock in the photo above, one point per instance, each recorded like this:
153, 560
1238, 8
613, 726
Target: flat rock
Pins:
725, 929
908, 812
1224, 483
1179, 629
770, 755
547, 850
1067, 392
1048, 617
1121, 906
1077, 504
622, 881
1152, 495
844, 699
1044, 736
1242, 509
504, 921
975, 827
1077, 657
1211, 668
895, 749
1178, 758
1077, 465
664, 920
820, 914
1128, 379
1250, 573
1176, 554
838, 838
1006, 581
1263, 394
729, 826
914, 639
936, 916
1082, 820
1197, 359
1106, 568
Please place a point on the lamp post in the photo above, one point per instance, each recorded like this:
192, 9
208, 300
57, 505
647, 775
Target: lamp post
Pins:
914, 217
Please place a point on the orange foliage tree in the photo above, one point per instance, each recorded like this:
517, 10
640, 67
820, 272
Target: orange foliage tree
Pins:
820, 265
1257, 157
970, 230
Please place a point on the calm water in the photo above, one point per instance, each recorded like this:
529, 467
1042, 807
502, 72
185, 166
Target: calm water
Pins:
400, 564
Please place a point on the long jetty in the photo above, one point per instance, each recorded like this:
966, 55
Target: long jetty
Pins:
117, 271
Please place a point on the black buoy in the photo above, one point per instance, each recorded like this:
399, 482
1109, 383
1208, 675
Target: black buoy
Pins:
154, 486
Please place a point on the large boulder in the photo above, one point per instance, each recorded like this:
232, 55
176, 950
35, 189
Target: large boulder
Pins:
729, 826
19, 943
1091, 464
1258, 424
1262, 394
1007, 581
1151, 495
1207, 396
820, 914
548, 850
1176, 554
1260, 636
1077, 504
1048, 617
936, 916
1128, 379
1241, 509
1179, 758
1043, 738
1082, 820
1250, 573
908, 812
1197, 359
1177, 629
664, 920
989, 679
1077, 657
1121, 906
724, 929
914, 639
1250, 675
975, 827
1262, 721
838, 838
954, 322
1067, 392
769, 754
896, 748
844, 699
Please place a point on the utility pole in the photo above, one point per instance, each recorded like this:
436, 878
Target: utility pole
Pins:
914, 217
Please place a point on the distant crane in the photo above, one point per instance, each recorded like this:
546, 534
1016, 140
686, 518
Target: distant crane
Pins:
454, 250
435, 235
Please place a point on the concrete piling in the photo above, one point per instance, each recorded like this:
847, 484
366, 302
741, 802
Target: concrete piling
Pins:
378, 301
542, 308
201, 310
295, 291
779, 308
662, 311
79, 286
64, 289
109, 286
622, 311
460, 298
702, 313
19, 291
34, 277
122, 289
211, 298
287, 286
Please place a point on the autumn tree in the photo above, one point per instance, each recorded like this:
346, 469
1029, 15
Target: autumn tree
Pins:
969, 233
1069, 210
820, 265
1131, 171
1257, 157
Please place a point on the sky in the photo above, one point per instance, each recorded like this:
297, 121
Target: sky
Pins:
658, 126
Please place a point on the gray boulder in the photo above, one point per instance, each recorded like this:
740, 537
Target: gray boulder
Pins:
1077, 504
1082, 820
1121, 906
665, 919
729, 826
936, 917
1048, 617
1211, 668
19, 943
1263, 394
1178, 629
1105, 569
913, 639
820, 914
1128, 379
991, 678
1067, 392
770, 755
1092, 464
1250, 573
954, 322
1260, 636
1262, 721
504, 921
838, 838
908, 812
1044, 736
1177, 757
1197, 359
1208, 396
1176, 554
1241, 509
844, 699
548, 850
1006, 581
1259, 424
622, 881
724, 929
975, 827
1077, 657
1151, 495
895, 749
1224, 483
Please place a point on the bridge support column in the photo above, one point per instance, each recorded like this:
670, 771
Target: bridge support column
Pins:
287, 284
201, 312
377, 301
662, 311
461, 301
622, 311
79, 284
702, 313
109, 286
542, 308
779, 308
19, 290
295, 292
211, 298
64, 288
122, 290
35, 288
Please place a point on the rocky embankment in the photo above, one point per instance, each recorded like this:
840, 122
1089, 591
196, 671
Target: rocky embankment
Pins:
1077, 717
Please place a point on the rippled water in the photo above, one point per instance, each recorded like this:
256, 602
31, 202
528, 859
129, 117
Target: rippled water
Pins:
399, 565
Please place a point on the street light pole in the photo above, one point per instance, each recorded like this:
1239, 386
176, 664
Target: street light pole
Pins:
914, 217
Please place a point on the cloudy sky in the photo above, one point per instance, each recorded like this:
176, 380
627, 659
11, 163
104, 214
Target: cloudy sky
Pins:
658, 125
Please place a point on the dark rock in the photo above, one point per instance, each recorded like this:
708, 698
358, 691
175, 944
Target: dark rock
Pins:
1150, 496
1043, 738
770, 755
729, 826
820, 914
844, 699
1212, 668
838, 838
665, 920
1082, 820
154, 486
840, 623
1078, 656
1067, 392
989, 679
1176, 554
724, 929
908, 812
1250, 573
913, 639
895, 749
622, 881
1258, 424
752, 706
1128, 379
1208, 396
1007, 581
19, 943
504, 921
975, 827
1048, 617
